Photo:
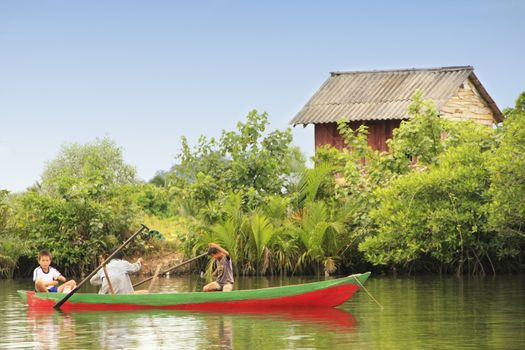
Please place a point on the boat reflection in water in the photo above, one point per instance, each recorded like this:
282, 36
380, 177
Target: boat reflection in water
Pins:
184, 329
328, 318
50, 329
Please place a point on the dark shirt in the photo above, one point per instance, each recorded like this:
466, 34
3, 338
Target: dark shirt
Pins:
224, 270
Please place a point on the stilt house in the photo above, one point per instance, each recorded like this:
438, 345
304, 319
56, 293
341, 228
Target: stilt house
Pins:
379, 99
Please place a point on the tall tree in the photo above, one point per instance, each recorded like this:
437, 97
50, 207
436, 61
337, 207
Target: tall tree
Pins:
84, 206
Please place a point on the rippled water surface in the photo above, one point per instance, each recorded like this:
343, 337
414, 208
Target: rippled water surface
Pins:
419, 313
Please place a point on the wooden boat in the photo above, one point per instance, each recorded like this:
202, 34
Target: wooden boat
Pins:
328, 293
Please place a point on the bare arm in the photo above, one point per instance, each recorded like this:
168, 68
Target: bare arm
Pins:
61, 278
134, 267
47, 284
215, 245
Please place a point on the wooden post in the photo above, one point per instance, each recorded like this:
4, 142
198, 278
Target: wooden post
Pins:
107, 276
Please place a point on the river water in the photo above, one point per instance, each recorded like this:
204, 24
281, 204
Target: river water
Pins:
419, 313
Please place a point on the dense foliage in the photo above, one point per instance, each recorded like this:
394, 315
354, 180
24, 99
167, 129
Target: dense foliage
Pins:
84, 205
507, 181
447, 197
12, 247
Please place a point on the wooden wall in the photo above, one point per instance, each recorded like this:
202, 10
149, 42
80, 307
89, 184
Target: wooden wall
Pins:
467, 104
378, 132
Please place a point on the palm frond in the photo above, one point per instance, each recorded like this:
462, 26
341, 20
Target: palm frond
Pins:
311, 181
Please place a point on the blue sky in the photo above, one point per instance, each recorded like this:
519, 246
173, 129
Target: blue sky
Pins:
147, 72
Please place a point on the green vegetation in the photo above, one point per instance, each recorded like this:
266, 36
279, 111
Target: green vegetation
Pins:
447, 197
84, 205
11, 246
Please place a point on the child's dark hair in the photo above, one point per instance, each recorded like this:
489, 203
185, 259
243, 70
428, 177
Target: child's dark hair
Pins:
213, 250
44, 253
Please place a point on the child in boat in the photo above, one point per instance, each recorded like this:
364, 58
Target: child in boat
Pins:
47, 277
118, 273
223, 270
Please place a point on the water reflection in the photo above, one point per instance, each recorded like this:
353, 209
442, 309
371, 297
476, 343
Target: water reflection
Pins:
191, 330
326, 318
48, 327
221, 332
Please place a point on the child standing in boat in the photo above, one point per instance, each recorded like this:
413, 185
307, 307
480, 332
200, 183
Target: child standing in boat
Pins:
47, 277
223, 270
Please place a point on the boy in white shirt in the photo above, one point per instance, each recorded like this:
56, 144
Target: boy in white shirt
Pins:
47, 278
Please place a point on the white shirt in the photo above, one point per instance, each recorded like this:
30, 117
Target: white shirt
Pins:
118, 274
51, 275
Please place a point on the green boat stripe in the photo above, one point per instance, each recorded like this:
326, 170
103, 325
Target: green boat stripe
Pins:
160, 299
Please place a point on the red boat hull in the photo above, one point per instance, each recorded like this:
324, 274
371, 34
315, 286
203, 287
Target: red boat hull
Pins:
329, 297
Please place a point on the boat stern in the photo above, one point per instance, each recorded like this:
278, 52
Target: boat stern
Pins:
35, 301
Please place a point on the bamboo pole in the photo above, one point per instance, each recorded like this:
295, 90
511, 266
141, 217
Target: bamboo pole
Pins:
155, 277
106, 275
171, 269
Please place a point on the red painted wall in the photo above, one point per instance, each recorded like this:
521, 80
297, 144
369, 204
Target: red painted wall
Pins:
378, 132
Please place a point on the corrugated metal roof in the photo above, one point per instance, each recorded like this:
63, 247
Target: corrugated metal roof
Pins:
383, 94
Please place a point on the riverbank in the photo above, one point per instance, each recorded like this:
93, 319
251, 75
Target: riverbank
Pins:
166, 260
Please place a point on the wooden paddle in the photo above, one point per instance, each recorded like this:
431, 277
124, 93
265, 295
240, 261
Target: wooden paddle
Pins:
70, 294
170, 269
